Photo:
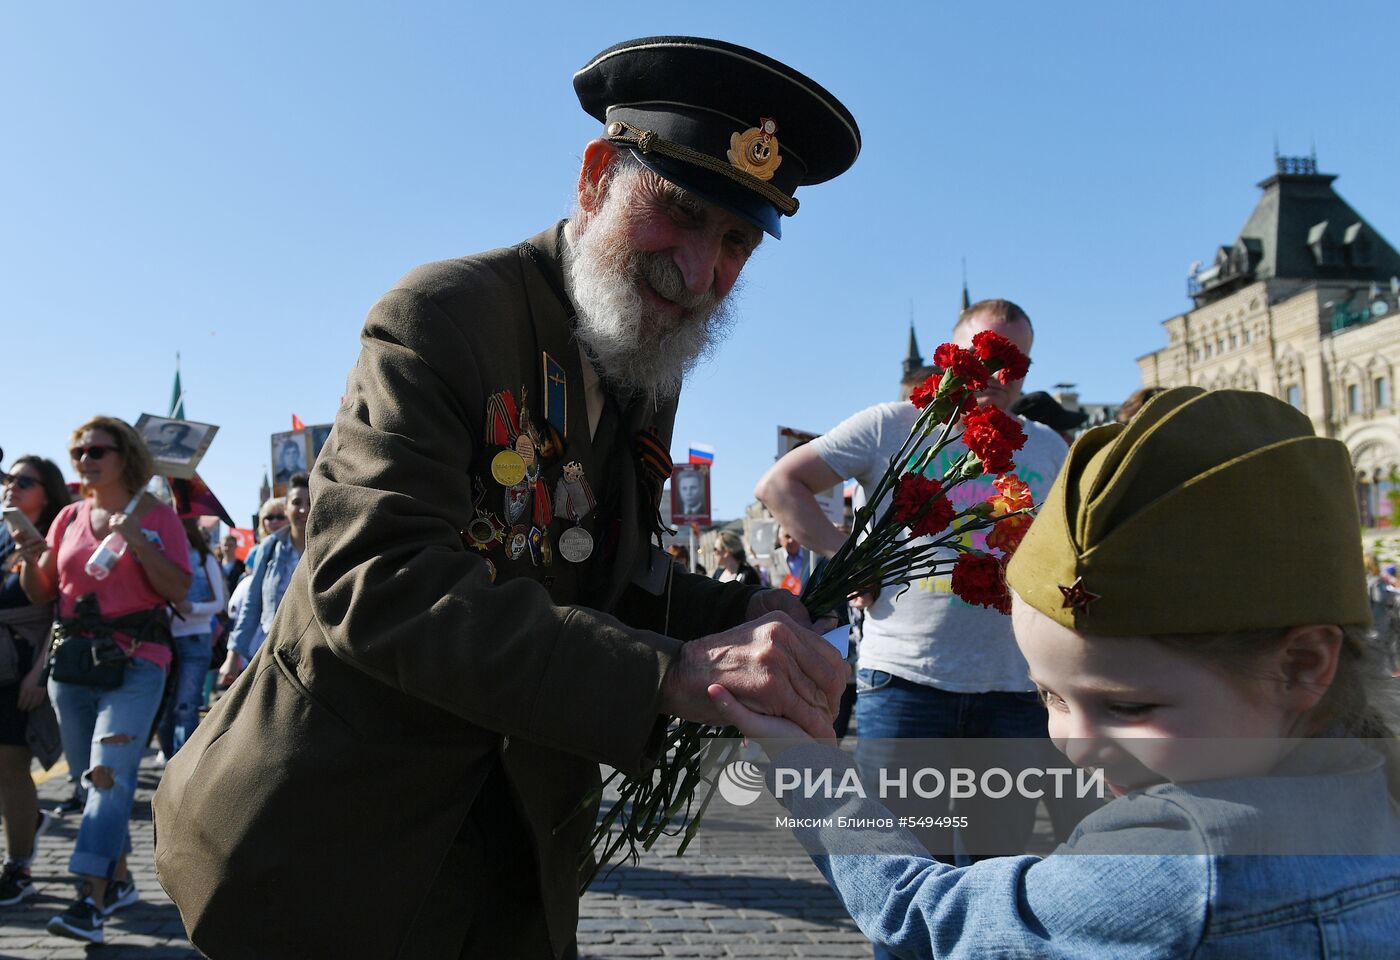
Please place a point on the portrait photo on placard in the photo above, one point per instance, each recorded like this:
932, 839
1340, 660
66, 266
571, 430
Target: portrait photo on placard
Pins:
289, 455
176, 445
319, 432
690, 493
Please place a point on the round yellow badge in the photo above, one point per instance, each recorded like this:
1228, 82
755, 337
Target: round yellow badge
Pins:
507, 468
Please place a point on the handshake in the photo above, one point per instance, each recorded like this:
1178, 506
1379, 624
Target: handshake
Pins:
777, 664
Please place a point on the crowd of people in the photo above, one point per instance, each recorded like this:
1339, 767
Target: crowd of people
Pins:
111, 605
456, 653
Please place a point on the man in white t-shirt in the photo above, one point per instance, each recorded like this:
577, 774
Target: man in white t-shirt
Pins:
931, 666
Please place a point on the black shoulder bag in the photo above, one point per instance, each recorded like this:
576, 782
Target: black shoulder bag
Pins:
84, 649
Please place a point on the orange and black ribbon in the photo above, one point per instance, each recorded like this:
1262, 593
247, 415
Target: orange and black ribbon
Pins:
502, 419
654, 469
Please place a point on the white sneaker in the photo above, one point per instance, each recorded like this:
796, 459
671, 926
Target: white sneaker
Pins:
120, 893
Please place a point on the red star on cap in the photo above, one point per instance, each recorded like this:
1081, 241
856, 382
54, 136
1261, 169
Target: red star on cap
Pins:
1077, 597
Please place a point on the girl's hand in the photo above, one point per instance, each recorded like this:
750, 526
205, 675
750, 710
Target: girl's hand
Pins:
756, 726
185, 607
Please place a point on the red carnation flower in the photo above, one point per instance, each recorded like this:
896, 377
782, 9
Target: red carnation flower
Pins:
916, 494
937, 519
994, 437
980, 579
911, 492
963, 364
1008, 533
1012, 495
1001, 355
926, 392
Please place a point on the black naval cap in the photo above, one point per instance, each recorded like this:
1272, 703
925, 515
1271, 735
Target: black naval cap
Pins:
727, 123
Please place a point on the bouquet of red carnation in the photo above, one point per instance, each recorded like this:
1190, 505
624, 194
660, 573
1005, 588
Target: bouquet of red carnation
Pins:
918, 533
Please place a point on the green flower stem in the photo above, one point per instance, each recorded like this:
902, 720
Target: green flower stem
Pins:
887, 555
694, 825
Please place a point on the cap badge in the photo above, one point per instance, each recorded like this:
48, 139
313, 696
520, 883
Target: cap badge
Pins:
755, 151
1077, 597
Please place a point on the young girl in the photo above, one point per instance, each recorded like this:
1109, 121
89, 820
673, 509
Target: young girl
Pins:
1192, 605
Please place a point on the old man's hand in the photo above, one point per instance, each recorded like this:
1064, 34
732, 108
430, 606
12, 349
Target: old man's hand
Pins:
775, 600
773, 665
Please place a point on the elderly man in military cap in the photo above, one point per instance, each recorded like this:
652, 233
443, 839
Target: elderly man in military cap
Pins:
481, 617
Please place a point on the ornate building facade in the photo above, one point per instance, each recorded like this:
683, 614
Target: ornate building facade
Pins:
1304, 305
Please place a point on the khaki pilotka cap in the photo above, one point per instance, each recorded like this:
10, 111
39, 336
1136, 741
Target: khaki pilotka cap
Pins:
1209, 512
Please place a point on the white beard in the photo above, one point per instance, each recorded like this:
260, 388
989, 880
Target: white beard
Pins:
639, 351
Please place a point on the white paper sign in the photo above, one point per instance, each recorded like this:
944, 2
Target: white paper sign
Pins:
840, 638
833, 501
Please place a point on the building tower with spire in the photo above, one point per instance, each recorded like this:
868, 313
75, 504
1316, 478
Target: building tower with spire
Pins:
915, 371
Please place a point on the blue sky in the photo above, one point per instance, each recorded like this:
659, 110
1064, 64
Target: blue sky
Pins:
241, 181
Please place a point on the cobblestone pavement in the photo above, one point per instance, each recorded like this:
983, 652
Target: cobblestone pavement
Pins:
734, 894
743, 889
148, 929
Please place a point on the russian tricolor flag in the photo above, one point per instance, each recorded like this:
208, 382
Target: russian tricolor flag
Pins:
702, 453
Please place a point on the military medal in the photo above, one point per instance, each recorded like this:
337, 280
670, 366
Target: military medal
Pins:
517, 499
539, 547
573, 498
519, 541
545, 444
508, 468
576, 544
541, 511
503, 430
502, 419
490, 569
485, 530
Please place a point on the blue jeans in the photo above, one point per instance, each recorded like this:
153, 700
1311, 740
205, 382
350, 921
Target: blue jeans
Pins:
87, 716
890, 708
192, 658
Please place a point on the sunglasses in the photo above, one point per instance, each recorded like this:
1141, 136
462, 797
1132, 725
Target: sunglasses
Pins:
21, 483
93, 451
274, 516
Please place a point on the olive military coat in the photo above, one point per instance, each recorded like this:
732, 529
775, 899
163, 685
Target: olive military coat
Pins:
398, 673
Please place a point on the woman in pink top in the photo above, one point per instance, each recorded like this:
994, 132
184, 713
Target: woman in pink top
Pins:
105, 730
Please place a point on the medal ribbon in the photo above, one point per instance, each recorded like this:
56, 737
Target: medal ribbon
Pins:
653, 470
542, 513
502, 419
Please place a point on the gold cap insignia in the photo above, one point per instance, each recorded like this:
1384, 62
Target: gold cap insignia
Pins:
755, 151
